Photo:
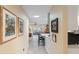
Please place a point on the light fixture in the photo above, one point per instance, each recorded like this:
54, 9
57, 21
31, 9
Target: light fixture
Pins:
36, 16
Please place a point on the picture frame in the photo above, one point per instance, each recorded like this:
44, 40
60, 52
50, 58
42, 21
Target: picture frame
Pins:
21, 28
54, 38
54, 25
9, 25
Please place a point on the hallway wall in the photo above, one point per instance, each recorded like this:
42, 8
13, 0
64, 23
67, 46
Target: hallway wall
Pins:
72, 18
60, 46
20, 44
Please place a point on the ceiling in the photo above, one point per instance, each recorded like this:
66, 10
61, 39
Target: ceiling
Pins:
39, 10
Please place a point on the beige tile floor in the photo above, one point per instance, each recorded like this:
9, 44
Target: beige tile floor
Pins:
33, 47
73, 49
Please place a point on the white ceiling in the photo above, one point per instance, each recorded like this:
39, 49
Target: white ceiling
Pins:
40, 10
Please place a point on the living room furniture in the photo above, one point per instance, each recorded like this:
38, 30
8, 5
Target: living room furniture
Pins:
73, 38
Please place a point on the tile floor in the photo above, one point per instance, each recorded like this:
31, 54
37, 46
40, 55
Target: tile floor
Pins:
33, 47
73, 49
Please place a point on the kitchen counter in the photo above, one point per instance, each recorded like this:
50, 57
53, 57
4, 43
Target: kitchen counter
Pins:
45, 34
48, 43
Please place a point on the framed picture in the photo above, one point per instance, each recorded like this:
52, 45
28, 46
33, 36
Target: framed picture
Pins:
54, 38
54, 25
21, 23
9, 25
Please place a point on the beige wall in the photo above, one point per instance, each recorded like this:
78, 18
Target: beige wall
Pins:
61, 45
17, 45
72, 18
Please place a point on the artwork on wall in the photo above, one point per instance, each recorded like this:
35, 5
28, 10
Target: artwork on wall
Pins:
54, 38
9, 25
21, 22
54, 25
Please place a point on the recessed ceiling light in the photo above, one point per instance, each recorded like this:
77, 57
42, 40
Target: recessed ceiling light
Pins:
36, 16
